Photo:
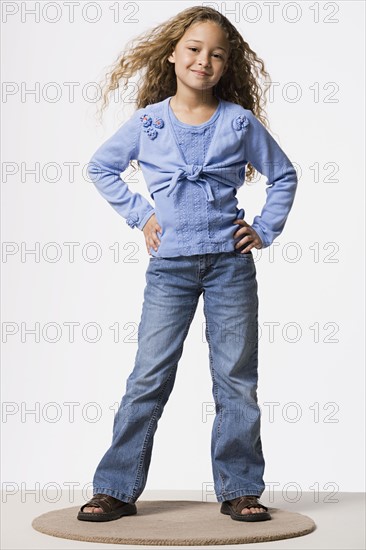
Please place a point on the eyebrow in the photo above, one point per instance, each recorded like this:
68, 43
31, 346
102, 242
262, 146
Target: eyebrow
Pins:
216, 48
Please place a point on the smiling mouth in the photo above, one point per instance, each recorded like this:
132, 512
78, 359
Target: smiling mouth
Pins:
201, 73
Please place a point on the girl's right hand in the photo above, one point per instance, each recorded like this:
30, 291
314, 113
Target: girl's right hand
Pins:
150, 231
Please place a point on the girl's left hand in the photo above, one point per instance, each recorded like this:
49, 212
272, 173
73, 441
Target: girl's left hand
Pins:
252, 239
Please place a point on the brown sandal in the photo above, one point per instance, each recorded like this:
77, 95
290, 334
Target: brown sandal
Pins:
112, 509
235, 506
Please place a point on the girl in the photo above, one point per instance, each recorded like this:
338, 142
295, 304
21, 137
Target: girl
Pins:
198, 131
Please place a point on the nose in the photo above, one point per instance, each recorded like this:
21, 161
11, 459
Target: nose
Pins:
204, 60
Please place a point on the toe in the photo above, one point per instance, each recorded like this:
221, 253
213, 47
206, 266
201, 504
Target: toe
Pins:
251, 510
92, 509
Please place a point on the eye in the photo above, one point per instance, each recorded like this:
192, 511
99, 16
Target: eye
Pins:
215, 54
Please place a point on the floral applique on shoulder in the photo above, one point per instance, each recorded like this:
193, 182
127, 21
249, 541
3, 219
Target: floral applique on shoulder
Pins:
240, 122
150, 125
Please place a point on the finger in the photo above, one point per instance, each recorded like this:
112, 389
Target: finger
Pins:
246, 249
150, 243
154, 241
244, 241
241, 231
241, 222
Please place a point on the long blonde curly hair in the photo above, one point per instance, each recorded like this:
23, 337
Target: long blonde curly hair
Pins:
149, 52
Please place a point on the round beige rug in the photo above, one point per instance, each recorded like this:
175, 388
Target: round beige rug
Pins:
174, 522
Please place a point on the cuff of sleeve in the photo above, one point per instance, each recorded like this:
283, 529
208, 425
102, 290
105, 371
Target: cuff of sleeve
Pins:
134, 220
265, 241
144, 219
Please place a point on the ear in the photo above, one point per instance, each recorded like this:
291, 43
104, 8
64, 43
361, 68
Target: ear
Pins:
171, 58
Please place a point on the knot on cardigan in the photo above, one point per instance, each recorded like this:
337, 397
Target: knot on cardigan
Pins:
194, 172
191, 172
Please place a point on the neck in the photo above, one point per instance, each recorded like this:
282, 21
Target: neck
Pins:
191, 100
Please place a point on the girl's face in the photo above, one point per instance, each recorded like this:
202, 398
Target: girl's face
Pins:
200, 56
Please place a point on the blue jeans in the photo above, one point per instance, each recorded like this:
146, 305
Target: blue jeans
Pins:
174, 285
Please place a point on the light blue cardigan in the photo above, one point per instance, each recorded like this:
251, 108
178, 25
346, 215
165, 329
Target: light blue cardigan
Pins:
239, 137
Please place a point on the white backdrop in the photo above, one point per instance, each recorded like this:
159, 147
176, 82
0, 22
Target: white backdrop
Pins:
70, 318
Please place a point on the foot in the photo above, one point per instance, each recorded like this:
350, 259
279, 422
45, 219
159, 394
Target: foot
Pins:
105, 508
93, 509
250, 510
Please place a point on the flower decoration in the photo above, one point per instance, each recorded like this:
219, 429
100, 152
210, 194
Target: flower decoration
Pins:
146, 120
151, 132
158, 122
149, 125
240, 122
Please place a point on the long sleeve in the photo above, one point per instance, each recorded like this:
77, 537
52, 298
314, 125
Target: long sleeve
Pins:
264, 153
107, 164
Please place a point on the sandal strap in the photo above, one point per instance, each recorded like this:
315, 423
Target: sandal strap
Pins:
247, 502
105, 502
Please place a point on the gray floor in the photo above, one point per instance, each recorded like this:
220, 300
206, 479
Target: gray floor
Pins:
340, 525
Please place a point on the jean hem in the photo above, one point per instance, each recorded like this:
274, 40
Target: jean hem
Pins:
230, 495
114, 493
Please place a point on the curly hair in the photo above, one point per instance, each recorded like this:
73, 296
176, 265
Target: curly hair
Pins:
149, 52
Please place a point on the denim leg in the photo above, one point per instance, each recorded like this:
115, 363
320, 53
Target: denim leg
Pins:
231, 314
170, 300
